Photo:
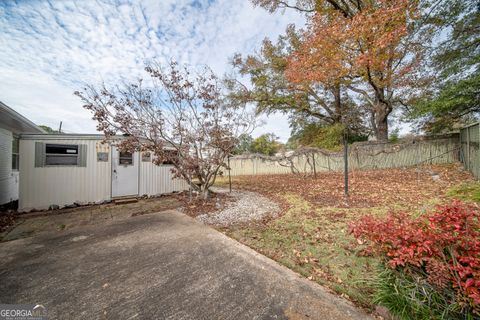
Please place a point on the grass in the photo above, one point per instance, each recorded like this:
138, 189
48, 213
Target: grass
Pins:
469, 191
316, 244
311, 235
409, 297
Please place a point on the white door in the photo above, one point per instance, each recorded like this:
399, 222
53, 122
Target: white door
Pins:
125, 168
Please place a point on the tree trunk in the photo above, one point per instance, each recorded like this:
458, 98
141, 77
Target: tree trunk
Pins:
204, 192
381, 122
382, 129
337, 95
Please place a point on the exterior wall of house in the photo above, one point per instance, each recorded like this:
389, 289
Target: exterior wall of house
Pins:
41, 187
158, 180
8, 178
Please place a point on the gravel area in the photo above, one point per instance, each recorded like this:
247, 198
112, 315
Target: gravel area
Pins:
245, 206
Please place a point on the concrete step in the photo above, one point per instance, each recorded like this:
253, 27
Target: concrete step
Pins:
125, 200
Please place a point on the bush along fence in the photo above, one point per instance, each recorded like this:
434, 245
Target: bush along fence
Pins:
469, 148
363, 155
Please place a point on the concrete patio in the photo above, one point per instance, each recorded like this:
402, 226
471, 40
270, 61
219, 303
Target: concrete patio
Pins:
157, 266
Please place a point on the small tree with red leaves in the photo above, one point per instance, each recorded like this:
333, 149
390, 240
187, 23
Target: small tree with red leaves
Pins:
442, 246
181, 118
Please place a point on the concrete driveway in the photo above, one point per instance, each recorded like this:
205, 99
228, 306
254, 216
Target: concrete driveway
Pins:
157, 266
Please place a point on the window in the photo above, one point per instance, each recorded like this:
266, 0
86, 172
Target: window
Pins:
102, 156
171, 156
15, 154
146, 157
125, 158
50, 155
61, 155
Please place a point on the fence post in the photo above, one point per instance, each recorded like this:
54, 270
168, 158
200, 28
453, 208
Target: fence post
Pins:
229, 174
345, 162
430, 153
468, 150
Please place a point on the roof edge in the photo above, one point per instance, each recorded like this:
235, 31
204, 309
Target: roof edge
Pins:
72, 136
61, 136
14, 114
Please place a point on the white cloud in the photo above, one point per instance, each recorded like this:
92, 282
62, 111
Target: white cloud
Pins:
44, 101
49, 48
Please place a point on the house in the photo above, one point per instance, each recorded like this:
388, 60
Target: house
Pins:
58, 170
64, 169
12, 126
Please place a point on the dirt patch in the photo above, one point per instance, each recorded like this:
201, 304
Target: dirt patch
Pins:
142, 206
195, 207
7, 219
26, 225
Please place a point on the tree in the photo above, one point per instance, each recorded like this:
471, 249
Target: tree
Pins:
305, 6
266, 144
48, 129
456, 103
318, 136
457, 53
244, 144
371, 47
314, 135
454, 98
270, 91
179, 117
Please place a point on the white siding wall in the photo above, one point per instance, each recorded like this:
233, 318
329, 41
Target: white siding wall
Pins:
8, 179
158, 180
42, 187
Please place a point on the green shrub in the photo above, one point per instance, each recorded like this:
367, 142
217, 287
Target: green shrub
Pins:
394, 136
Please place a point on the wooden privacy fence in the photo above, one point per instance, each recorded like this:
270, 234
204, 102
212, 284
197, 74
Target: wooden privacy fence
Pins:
371, 155
469, 148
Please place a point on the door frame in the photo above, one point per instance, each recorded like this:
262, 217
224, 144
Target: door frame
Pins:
113, 149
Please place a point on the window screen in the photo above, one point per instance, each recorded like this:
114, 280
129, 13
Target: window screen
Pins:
125, 158
61, 155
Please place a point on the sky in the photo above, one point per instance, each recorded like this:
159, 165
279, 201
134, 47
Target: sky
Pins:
51, 48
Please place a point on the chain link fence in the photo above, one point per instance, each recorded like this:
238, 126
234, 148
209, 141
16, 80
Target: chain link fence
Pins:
469, 149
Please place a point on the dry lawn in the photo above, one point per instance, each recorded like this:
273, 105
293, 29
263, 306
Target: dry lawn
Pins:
311, 234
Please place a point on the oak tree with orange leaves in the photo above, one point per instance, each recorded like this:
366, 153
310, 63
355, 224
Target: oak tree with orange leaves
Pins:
372, 47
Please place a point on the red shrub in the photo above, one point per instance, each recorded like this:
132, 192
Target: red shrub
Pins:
444, 243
